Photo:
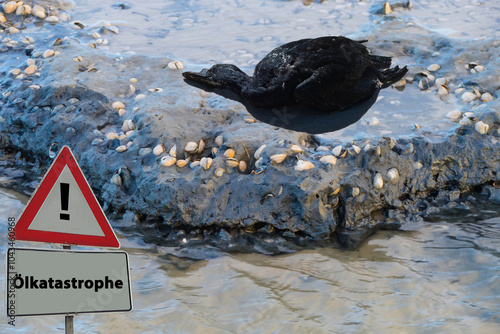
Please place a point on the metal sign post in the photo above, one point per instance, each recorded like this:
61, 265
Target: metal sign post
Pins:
68, 319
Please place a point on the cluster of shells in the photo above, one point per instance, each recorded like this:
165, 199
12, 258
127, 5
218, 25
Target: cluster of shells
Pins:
124, 136
37, 11
16, 14
193, 155
427, 80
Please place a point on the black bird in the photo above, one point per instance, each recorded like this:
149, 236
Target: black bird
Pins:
326, 73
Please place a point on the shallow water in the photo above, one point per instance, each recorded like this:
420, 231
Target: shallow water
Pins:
442, 277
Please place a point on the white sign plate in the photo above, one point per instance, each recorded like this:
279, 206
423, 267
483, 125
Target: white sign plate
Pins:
43, 281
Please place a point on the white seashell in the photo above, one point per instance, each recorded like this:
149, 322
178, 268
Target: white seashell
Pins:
16, 71
296, 149
175, 65
52, 19
9, 7
132, 89
356, 148
23, 10
468, 114
387, 8
278, 158
322, 148
367, 147
229, 153
48, 53
116, 179
73, 100
328, 159
355, 191
111, 135
139, 97
121, 148
113, 29
242, 166
481, 127
479, 68
118, 105
378, 151
303, 165
487, 97
454, 114
34, 87
219, 172
393, 175
168, 161
468, 97
2, 18
337, 150
465, 121
65, 17
259, 152
219, 140
440, 82
30, 61
433, 67
173, 151
260, 162
121, 111
12, 44
128, 125
30, 70
418, 165
191, 147
232, 162
206, 163
378, 182
133, 80
476, 91
201, 146
249, 120
194, 164
214, 151
442, 90
122, 136
423, 83
374, 121
38, 11
181, 163
159, 149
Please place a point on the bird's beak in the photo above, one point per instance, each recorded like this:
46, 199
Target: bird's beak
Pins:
197, 76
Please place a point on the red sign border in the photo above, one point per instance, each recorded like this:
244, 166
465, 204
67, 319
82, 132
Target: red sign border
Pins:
22, 231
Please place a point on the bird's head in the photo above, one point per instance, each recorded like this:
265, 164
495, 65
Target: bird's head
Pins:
220, 76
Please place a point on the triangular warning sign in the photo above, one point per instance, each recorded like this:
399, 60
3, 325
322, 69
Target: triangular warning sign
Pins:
64, 209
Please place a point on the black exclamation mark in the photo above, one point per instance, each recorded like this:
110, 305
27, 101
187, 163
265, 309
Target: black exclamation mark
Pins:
64, 201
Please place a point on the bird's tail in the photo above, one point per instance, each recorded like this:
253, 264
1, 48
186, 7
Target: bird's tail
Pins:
392, 75
381, 62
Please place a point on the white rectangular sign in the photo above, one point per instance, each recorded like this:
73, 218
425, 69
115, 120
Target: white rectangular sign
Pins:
43, 281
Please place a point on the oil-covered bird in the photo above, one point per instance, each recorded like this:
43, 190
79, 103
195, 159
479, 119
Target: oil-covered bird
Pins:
326, 73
